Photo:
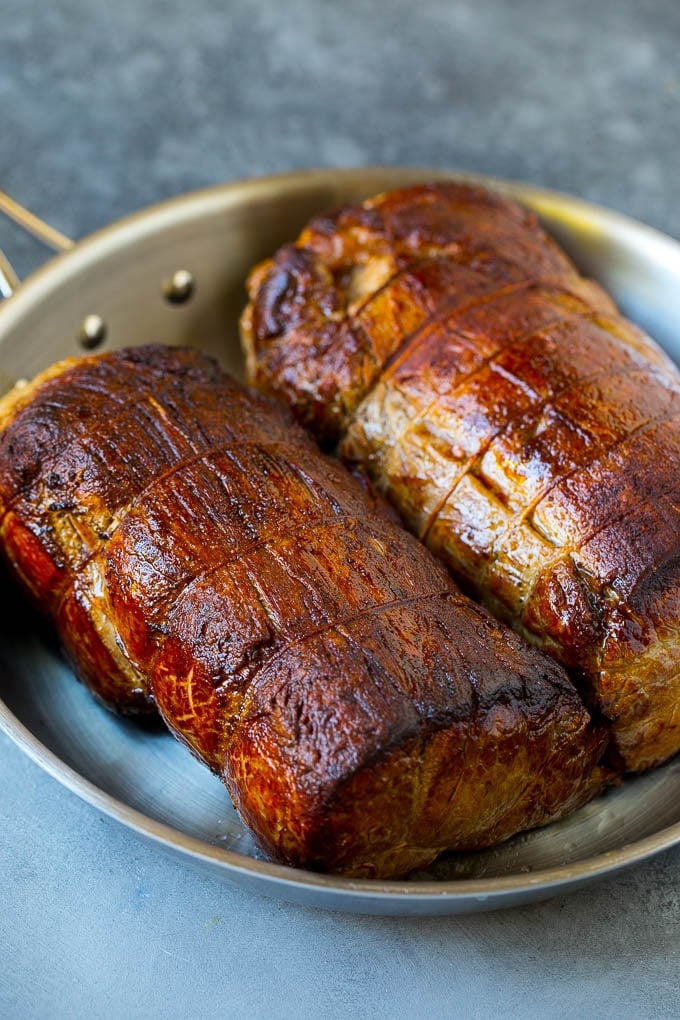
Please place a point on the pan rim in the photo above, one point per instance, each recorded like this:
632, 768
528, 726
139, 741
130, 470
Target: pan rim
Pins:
336, 891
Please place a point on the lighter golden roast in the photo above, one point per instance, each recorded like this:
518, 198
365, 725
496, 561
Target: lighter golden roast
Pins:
198, 553
525, 430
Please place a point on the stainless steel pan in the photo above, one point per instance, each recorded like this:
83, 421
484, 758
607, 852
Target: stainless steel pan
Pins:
175, 273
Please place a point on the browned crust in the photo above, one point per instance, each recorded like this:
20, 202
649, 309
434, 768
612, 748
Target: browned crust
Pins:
527, 432
198, 553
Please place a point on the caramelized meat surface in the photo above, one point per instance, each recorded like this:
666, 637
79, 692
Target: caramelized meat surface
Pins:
526, 431
198, 553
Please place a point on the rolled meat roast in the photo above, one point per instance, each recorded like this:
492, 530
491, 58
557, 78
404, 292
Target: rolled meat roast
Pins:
199, 554
526, 431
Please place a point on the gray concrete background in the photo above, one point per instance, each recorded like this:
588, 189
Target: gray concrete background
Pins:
107, 107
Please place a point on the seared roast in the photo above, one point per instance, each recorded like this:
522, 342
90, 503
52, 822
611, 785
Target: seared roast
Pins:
199, 554
526, 431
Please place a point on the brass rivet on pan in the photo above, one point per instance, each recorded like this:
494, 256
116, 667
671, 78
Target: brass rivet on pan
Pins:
92, 331
179, 287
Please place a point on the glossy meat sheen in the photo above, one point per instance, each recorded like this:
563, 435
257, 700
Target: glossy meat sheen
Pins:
197, 552
525, 431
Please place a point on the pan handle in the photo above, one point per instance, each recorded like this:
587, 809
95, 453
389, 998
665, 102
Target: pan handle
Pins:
9, 281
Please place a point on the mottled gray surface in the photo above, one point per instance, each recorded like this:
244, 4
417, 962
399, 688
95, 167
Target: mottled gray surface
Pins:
107, 107
95, 923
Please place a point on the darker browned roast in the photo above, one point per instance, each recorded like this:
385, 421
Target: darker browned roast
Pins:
525, 430
198, 553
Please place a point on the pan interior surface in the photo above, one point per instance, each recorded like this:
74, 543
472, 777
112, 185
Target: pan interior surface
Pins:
140, 774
